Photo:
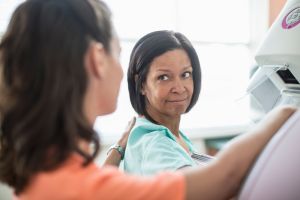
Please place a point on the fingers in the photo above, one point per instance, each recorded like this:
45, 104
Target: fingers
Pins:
130, 124
123, 141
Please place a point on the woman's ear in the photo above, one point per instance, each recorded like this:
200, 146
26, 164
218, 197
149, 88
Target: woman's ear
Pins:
142, 91
95, 59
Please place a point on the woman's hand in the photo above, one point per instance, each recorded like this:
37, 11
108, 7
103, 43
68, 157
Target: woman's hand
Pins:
114, 157
123, 140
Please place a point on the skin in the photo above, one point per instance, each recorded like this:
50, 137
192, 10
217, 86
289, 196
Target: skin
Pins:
105, 75
168, 89
104, 79
114, 157
225, 174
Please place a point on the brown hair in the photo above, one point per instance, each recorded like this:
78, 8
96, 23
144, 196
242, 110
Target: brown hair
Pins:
43, 83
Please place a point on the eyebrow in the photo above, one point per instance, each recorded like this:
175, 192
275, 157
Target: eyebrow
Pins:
166, 70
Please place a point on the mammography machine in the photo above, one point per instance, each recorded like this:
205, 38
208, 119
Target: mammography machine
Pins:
276, 173
277, 80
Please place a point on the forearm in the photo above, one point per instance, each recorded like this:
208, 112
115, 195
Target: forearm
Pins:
243, 151
222, 178
113, 158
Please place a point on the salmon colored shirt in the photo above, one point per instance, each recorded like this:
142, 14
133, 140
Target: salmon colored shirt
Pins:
73, 181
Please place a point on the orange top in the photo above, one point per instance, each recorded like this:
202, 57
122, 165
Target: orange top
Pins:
73, 181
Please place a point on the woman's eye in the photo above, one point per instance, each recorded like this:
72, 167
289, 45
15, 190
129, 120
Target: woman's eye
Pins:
186, 74
163, 77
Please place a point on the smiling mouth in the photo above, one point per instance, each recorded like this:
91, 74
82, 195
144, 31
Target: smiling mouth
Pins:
177, 100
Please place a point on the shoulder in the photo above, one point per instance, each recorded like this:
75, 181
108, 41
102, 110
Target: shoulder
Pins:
110, 183
164, 154
113, 184
145, 131
93, 182
75, 178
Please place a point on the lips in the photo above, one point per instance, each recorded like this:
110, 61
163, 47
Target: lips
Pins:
177, 100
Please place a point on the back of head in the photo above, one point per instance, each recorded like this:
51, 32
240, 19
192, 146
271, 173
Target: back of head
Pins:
43, 82
145, 51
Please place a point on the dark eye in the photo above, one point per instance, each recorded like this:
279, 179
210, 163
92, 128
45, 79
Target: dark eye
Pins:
186, 74
163, 77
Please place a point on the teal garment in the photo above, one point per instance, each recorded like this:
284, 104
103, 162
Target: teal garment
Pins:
153, 148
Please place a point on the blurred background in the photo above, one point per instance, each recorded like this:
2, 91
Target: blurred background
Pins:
225, 35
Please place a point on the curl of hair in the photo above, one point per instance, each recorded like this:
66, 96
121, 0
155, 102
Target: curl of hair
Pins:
43, 83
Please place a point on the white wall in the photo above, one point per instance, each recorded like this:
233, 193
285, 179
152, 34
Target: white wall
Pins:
224, 60
5, 192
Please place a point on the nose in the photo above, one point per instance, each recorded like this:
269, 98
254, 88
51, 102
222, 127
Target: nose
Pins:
178, 86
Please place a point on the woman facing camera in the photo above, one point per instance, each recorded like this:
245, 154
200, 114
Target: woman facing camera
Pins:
164, 80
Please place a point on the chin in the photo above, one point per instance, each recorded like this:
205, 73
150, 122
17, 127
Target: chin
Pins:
108, 110
177, 113
179, 110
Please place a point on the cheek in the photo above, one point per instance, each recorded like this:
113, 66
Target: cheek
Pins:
121, 74
153, 94
190, 87
117, 73
160, 94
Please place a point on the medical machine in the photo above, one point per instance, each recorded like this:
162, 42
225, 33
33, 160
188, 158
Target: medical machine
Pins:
277, 80
276, 173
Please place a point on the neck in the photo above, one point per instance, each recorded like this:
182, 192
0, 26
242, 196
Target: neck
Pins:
84, 146
171, 122
173, 126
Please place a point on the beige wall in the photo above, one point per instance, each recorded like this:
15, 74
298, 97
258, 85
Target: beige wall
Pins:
275, 8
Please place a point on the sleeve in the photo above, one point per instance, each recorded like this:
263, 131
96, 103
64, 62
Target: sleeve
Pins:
115, 185
163, 154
